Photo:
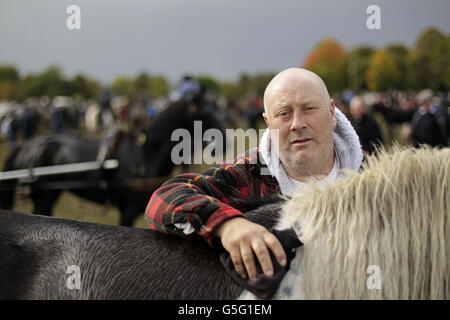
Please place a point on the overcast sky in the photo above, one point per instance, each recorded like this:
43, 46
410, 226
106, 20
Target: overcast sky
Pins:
218, 37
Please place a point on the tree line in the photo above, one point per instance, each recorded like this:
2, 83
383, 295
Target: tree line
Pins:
425, 65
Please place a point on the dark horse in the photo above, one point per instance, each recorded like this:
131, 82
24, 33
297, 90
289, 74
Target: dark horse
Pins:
143, 162
114, 262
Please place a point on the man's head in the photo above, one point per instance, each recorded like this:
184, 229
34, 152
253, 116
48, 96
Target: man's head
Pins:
357, 108
424, 98
298, 107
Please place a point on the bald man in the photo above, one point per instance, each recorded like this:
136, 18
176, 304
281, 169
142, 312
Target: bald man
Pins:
307, 136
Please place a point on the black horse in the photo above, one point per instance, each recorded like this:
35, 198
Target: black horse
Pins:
38, 255
144, 162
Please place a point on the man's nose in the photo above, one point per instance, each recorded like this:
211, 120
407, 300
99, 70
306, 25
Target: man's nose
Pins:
298, 122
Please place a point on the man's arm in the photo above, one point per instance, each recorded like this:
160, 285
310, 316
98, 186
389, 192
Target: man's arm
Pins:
192, 203
200, 203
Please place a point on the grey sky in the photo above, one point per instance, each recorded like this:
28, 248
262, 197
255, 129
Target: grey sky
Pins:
216, 37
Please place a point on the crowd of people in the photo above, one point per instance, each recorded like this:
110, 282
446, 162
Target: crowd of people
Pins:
408, 118
20, 121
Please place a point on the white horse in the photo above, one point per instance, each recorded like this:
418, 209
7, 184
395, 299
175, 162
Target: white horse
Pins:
383, 233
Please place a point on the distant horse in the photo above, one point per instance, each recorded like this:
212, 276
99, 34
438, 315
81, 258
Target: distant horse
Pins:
393, 217
144, 163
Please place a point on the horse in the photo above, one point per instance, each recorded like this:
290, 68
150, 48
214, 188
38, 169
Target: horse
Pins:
393, 215
144, 162
383, 233
114, 262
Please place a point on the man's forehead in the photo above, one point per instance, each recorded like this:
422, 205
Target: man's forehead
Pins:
286, 100
292, 85
281, 98
295, 86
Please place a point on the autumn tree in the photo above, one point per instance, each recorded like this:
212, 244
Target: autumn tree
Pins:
260, 82
142, 85
358, 61
84, 87
122, 86
424, 65
229, 90
440, 64
244, 84
329, 61
447, 77
9, 81
382, 73
50, 82
159, 87
208, 82
400, 55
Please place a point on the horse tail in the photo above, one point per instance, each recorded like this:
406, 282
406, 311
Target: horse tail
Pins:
7, 187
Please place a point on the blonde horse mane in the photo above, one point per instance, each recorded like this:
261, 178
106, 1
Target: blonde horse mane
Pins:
393, 217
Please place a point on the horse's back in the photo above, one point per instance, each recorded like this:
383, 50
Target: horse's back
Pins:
53, 149
113, 262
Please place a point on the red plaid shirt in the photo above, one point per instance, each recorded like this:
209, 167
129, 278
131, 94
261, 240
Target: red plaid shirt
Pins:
203, 200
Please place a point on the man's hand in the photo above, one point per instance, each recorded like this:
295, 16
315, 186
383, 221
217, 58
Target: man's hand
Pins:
241, 237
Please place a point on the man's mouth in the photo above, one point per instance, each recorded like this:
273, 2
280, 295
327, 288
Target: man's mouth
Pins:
301, 141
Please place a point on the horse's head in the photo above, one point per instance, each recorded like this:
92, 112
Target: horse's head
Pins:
186, 120
382, 233
203, 108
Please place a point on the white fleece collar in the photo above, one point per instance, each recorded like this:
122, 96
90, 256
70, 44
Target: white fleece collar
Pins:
347, 150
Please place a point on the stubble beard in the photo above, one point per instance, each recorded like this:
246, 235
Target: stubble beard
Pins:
296, 166
302, 167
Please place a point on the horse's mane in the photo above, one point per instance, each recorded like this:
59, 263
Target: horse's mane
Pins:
394, 214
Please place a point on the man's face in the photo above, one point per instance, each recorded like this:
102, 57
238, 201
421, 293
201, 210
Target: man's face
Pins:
304, 118
425, 104
357, 108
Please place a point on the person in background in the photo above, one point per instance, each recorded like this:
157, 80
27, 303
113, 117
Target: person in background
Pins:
431, 122
365, 125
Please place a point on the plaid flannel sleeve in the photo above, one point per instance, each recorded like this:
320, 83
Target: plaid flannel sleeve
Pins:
200, 201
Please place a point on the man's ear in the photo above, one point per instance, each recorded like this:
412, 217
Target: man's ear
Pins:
333, 112
266, 119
